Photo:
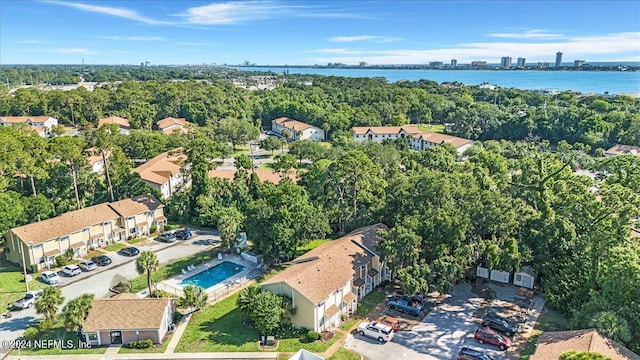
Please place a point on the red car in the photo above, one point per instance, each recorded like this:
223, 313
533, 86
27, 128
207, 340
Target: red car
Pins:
490, 336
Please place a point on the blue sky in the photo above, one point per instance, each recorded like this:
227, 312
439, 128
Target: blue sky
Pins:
315, 32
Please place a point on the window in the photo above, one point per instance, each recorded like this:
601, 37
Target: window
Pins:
85, 230
519, 277
92, 337
106, 223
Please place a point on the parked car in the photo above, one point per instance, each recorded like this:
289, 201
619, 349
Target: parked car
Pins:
27, 301
183, 234
101, 260
375, 330
389, 321
472, 354
407, 305
490, 336
50, 278
167, 237
499, 323
87, 265
129, 251
71, 270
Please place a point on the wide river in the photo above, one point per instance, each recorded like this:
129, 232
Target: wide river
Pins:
600, 82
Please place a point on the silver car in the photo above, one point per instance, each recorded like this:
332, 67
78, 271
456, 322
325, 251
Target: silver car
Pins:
87, 265
27, 301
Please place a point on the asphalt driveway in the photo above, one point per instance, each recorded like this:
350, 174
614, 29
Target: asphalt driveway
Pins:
440, 334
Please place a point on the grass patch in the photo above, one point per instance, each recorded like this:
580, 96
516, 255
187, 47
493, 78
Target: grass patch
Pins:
219, 328
344, 354
365, 306
136, 240
12, 286
438, 128
115, 247
310, 246
293, 345
169, 270
68, 346
154, 349
549, 320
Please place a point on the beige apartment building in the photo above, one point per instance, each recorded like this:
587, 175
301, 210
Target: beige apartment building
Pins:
37, 244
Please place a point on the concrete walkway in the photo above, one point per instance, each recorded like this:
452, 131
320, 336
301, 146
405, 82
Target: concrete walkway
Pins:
177, 335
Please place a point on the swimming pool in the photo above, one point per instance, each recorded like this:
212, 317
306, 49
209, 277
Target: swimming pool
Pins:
213, 276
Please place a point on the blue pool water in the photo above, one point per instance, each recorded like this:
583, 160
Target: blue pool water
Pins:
213, 276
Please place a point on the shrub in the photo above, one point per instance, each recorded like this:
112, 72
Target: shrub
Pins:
144, 344
153, 228
157, 293
31, 333
312, 335
46, 324
61, 261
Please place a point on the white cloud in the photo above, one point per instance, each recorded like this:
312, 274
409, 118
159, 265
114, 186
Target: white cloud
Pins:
243, 11
528, 34
617, 46
133, 38
29, 42
232, 12
75, 51
372, 38
194, 44
113, 11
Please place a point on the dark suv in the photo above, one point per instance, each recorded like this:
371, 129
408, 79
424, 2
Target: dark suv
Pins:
472, 354
496, 322
183, 234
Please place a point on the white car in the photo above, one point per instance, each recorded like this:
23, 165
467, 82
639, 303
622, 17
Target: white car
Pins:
50, 278
71, 270
377, 331
27, 301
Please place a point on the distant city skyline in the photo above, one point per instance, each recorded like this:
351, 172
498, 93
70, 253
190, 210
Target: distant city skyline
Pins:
273, 32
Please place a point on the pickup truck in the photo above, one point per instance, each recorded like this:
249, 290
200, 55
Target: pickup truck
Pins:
406, 305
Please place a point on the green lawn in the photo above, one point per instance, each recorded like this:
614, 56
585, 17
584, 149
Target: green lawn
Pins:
439, 128
115, 247
219, 328
135, 241
67, 344
365, 306
12, 286
154, 349
344, 354
169, 270
549, 320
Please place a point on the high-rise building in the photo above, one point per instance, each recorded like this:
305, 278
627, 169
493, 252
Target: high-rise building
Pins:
521, 62
454, 63
578, 63
435, 64
505, 62
558, 59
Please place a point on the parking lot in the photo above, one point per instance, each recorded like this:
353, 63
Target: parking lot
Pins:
445, 329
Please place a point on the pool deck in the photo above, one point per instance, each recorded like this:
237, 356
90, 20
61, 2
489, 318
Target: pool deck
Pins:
172, 285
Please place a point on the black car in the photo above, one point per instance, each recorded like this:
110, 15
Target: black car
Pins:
183, 234
472, 354
498, 323
129, 251
101, 260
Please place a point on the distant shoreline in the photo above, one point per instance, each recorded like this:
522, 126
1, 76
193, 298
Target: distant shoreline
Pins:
619, 67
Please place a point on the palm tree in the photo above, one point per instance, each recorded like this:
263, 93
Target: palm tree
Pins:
194, 297
147, 263
48, 302
75, 311
246, 299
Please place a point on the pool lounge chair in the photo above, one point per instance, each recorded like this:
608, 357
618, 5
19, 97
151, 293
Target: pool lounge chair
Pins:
191, 267
184, 271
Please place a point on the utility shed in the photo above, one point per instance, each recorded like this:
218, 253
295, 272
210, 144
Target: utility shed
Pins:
482, 272
526, 277
501, 276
